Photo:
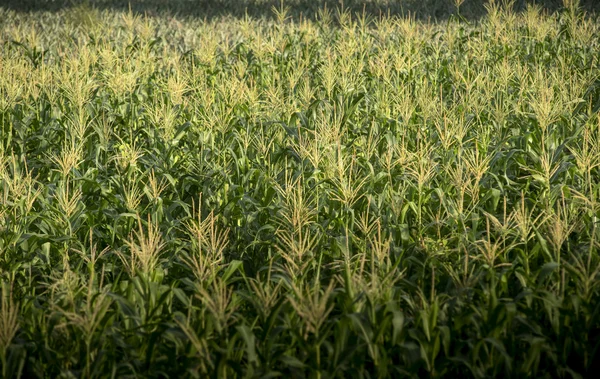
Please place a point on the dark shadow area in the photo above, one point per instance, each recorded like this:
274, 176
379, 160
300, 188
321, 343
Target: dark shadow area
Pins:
208, 9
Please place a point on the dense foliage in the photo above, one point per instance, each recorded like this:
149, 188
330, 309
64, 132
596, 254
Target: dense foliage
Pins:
342, 197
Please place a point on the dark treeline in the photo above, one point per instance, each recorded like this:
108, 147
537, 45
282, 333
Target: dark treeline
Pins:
422, 9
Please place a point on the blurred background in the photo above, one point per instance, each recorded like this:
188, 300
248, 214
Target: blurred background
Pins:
422, 9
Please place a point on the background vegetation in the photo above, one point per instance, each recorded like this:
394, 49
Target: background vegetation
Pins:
208, 9
344, 195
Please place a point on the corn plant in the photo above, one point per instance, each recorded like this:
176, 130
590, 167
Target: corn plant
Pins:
334, 193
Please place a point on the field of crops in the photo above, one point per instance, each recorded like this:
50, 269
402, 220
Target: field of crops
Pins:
346, 195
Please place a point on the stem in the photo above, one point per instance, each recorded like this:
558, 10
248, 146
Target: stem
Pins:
318, 358
3, 358
432, 283
87, 358
419, 224
319, 266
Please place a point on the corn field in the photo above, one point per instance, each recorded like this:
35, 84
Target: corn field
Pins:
345, 196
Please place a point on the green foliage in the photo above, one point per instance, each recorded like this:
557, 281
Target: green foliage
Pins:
343, 197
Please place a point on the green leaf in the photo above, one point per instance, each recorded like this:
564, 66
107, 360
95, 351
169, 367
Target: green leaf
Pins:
250, 342
232, 267
546, 270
